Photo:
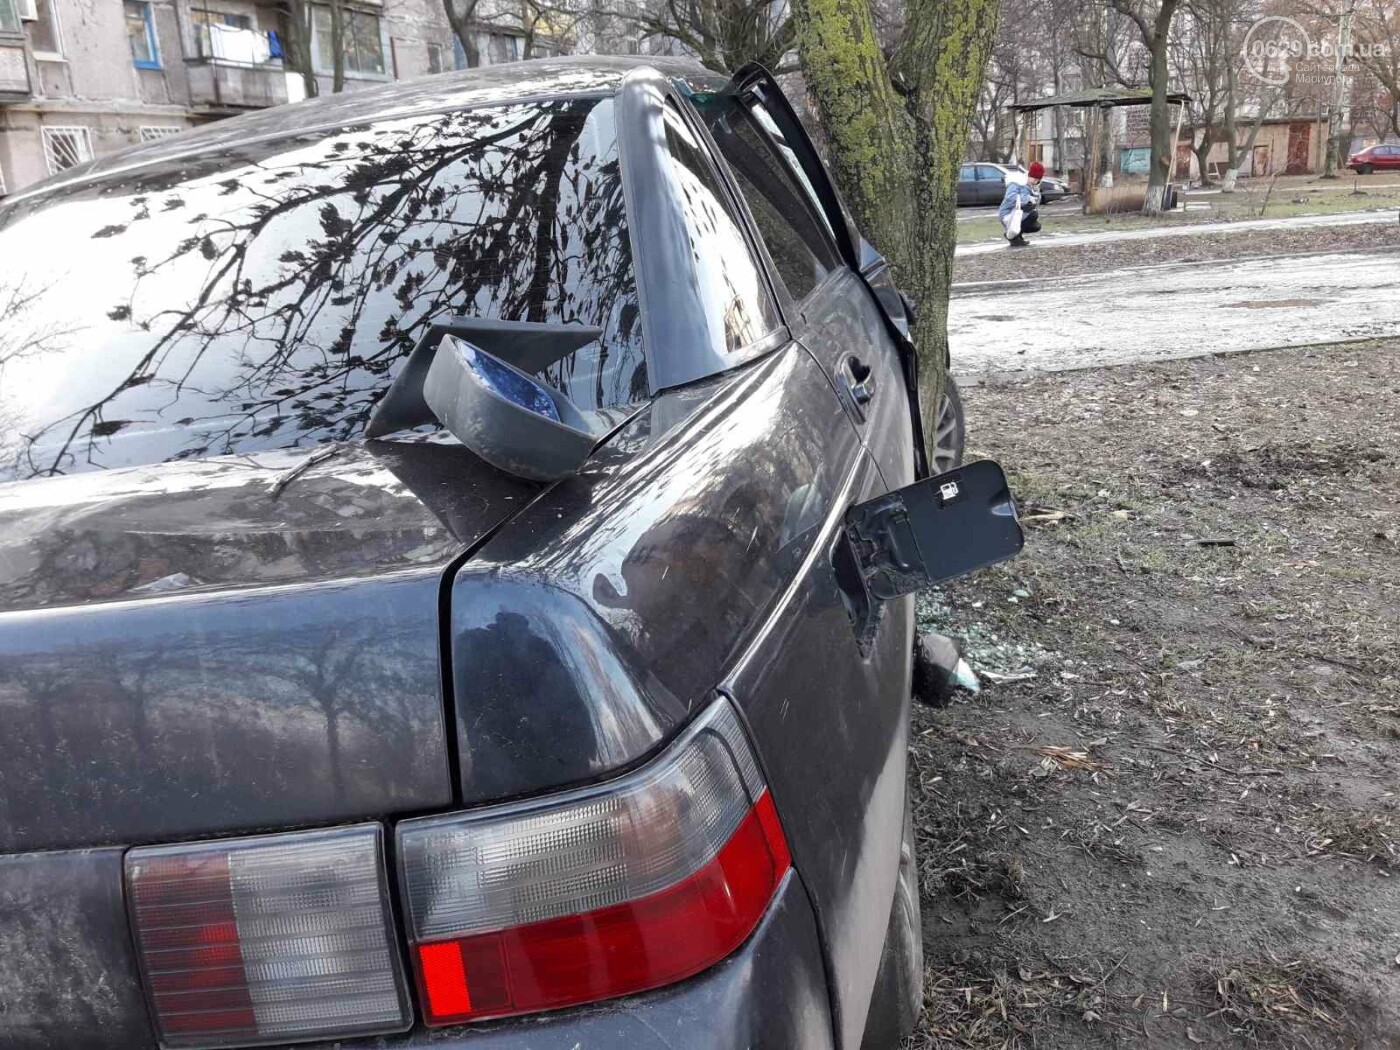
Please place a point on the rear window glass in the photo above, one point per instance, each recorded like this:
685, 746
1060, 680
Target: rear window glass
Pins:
265, 296
796, 240
729, 279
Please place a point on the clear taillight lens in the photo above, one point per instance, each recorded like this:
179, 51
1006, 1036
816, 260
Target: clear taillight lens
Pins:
278, 938
597, 893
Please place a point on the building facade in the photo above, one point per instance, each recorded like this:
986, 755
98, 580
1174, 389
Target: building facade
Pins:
83, 78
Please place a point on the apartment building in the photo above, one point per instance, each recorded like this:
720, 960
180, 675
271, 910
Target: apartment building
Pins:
83, 78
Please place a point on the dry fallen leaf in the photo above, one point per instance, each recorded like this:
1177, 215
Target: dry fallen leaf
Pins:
1043, 516
1066, 758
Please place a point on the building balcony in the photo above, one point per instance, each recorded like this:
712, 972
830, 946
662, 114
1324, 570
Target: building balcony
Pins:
14, 72
235, 69
224, 87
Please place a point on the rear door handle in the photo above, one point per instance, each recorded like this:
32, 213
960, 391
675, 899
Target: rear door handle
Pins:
859, 380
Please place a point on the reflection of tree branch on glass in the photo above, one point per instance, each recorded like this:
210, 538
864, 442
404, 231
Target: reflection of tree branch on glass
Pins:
17, 337
263, 297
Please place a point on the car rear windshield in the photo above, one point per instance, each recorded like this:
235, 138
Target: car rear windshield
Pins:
264, 296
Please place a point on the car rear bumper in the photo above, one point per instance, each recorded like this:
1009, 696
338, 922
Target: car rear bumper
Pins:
772, 992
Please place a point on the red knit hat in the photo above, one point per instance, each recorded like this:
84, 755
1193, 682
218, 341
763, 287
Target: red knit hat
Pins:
1037, 170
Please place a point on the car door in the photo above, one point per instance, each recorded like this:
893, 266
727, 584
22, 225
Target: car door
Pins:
991, 183
967, 185
826, 687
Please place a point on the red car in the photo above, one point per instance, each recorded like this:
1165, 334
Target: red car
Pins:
1375, 158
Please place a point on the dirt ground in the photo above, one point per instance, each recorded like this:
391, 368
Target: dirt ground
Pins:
1170, 817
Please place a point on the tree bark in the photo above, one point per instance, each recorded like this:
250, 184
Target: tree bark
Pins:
897, 164
337, 46
862, 117
1156, 37
298, 49
948, 44
460, 19
1159, 118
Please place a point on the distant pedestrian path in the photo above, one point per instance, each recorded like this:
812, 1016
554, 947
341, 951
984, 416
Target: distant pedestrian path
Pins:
1386, 216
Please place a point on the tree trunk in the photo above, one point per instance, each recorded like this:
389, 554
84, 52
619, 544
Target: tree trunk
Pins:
337, 46
460, 19
861, 116
1159, 117
298, 49
948, 45
1239, 151
898, 165
1202, 151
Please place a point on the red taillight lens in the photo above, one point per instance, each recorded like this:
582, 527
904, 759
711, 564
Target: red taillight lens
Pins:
278, 938
602, 892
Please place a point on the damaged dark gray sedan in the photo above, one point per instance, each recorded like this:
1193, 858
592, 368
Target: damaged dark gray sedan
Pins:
455, 552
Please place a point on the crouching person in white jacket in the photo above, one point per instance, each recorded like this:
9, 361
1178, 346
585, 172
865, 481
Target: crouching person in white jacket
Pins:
1020, 207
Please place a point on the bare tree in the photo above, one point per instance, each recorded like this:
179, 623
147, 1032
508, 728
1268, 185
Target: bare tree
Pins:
1377, 33
1204, 56
1109, 57
1153, 20
723, 34
461, 16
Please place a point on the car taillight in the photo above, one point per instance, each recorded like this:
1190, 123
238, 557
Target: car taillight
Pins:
277, 938
600, 892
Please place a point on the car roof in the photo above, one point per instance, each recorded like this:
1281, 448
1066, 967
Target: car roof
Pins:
568, 77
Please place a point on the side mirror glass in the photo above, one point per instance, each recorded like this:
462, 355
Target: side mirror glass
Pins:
934, 530
509, 419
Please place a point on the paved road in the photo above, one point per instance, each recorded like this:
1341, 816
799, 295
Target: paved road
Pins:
1173, 310
1386, 216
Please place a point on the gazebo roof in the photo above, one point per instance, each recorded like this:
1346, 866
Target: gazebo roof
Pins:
1098, 97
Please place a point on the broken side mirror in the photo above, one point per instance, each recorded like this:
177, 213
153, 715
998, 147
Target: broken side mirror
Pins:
506, 416
934, 530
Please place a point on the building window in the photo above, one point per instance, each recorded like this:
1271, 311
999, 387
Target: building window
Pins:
221, 18
44, 37
155, 132
1036, 152
363, 46
9, 18
141, 35
502, 47
435, 58
232, 38
66, 148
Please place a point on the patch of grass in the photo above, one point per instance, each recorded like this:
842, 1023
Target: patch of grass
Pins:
988, 229
1003, 1011
982, 874
1156, 559
1273, 465
1327, 203
1278, 1004
1370, 836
